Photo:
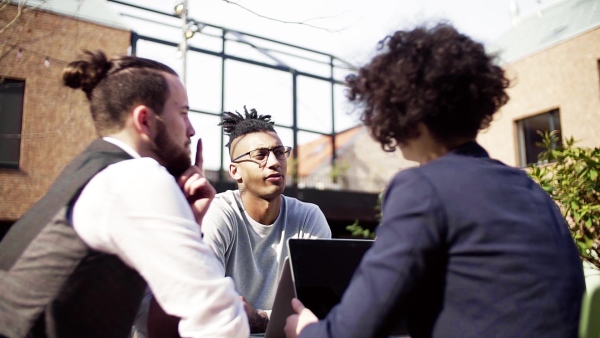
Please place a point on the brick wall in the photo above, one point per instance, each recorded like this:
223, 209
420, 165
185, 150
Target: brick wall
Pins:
564, 76
56, 121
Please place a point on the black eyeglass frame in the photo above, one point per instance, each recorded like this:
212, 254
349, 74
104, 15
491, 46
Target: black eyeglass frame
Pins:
287, 153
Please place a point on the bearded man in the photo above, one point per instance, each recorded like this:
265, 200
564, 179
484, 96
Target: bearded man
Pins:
122, 216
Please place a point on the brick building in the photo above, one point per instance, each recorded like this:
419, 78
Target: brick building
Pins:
43, 124
553, 60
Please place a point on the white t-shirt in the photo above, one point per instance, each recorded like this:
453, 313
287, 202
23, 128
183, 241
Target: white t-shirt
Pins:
253, 253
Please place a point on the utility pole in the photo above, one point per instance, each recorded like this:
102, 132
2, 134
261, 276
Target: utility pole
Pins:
182, 10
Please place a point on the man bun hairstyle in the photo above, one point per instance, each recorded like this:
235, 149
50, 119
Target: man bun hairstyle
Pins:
114, 87
236, 124
86, 74
435, 76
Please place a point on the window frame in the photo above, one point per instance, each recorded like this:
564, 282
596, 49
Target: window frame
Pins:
14, 131
554, 123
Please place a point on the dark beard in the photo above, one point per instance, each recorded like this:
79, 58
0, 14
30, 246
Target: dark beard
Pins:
173, 157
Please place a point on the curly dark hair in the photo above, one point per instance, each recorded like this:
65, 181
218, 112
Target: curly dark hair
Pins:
236, 124
435, 76
113, 86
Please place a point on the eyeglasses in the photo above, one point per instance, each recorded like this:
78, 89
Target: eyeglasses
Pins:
262, 154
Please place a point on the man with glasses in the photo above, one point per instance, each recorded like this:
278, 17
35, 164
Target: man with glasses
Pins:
248, 228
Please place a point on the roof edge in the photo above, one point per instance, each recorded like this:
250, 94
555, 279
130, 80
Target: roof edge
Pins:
95, 11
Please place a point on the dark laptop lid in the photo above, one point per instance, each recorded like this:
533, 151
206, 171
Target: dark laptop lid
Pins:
282, 305
323, 268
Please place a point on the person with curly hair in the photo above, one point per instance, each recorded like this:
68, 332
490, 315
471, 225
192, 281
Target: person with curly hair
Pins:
467, 246
123, 215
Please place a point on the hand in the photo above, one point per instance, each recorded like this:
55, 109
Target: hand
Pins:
296, 323
196, 188
257, 319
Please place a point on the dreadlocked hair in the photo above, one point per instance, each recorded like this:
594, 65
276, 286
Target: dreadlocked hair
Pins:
236, 124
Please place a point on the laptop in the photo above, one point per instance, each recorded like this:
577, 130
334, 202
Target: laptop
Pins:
322, 270
282, 304
317, 272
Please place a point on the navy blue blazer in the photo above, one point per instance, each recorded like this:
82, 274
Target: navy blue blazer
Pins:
468, 247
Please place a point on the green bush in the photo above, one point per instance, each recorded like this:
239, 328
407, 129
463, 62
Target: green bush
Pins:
570, 175
356, 230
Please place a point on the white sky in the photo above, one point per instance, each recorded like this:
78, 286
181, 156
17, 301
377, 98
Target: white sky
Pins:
351, 30
356, 25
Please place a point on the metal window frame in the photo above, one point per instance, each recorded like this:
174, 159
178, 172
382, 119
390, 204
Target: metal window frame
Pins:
241, 37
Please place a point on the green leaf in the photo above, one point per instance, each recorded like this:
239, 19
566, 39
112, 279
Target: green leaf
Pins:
576, 216
582, 249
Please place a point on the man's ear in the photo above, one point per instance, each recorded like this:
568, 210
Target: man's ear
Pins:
234, 172
144, 121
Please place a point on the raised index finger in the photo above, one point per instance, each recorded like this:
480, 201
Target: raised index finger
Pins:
199, 160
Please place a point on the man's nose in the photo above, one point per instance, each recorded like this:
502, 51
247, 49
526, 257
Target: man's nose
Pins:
190, 129
272, 160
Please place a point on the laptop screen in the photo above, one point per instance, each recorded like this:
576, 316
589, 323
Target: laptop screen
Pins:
323, 268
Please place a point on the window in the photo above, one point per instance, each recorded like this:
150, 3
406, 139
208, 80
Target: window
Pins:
528, 137
11, 113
